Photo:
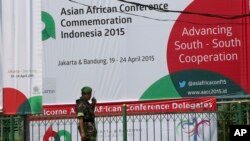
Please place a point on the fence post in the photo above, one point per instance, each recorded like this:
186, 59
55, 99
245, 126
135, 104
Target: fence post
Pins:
11, 128
26, 128
248, 116
124, 119
240, 116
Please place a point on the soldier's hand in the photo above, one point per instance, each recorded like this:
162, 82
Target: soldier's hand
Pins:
83, 137
93, 100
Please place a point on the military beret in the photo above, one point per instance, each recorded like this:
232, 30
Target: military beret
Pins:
86, 90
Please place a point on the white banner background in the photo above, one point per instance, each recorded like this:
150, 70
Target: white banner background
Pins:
21, 56
115, 81
1, 44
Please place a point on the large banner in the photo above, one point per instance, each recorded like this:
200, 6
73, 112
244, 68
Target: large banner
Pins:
144, 49
21, 57
185, 119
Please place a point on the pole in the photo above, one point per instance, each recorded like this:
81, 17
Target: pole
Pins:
124, 117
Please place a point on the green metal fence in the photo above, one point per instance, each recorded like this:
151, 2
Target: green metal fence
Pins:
231, 113
11, 128
147, 127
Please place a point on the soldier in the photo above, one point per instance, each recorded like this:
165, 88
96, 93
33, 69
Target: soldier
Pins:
86, 116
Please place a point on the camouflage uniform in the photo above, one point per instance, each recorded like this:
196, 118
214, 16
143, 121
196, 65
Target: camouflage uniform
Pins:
85, 110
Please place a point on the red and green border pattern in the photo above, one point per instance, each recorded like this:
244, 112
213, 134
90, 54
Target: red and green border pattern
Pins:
16, 103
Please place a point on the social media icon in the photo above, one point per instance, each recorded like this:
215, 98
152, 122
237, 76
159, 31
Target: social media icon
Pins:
182, 84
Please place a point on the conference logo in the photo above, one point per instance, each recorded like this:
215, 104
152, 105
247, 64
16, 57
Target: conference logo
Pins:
49, 26
50, 133
191, 127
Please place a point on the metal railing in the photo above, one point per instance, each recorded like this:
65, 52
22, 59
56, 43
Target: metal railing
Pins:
149, 127
11, 128
137, 127
231, 112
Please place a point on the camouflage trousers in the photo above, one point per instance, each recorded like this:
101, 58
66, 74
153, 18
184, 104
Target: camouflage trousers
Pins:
90, 131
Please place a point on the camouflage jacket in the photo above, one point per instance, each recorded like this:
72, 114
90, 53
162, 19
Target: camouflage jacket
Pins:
85, 110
